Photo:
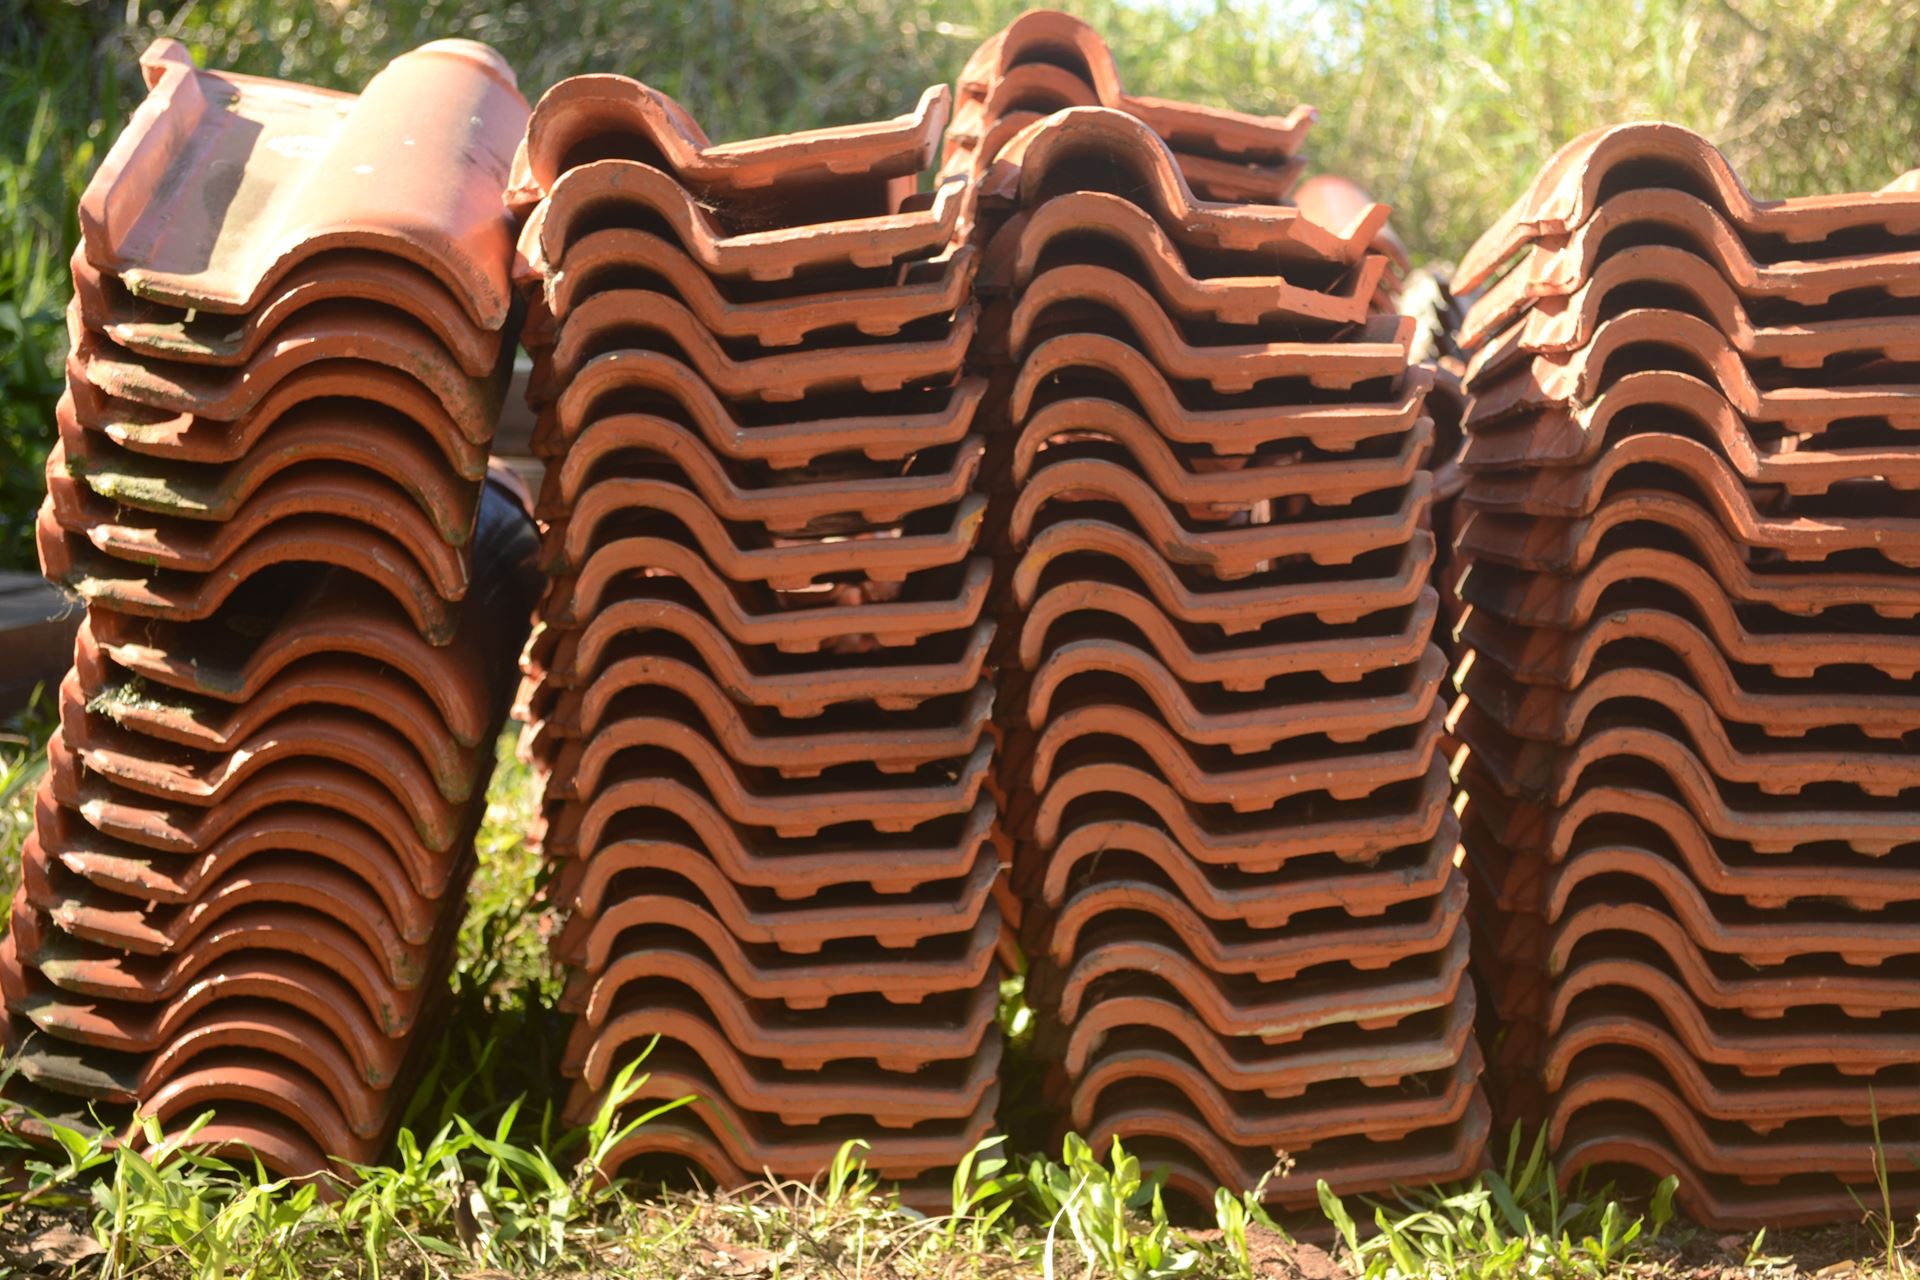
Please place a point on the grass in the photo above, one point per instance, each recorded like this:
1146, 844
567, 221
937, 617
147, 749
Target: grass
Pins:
22, 762
1512, 1222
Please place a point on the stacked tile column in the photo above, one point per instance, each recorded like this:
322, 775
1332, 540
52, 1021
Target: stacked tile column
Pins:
1686, 564
1220, 693
758, 689
251, 847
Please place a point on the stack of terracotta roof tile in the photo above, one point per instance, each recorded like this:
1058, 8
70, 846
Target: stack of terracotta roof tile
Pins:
247, 868
758, 684
1046, 61
1233, 836
1334, 201
1428, 298
1687, 557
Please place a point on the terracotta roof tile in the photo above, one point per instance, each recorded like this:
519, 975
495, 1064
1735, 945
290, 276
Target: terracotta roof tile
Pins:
588, 116
412, 167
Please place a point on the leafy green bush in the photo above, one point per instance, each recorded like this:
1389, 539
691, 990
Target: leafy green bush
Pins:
53, 98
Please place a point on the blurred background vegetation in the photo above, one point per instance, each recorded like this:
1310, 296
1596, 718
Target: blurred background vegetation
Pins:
1445, 108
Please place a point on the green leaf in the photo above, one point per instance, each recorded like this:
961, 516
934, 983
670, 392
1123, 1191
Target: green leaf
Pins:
1337, 1214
